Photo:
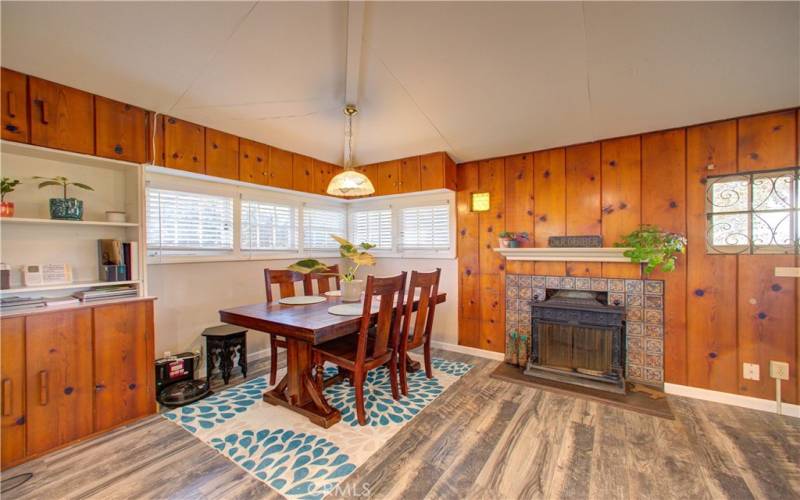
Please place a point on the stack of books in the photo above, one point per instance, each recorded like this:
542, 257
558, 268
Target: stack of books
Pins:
105, 293
16, 303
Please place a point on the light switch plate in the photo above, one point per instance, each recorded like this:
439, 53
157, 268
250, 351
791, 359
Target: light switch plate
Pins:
750, 371
779, 370
787, 272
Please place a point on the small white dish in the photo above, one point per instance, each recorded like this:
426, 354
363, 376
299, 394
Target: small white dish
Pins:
114, 216
301, 300
333, 293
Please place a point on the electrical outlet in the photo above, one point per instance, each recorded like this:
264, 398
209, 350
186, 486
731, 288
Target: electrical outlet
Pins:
751, 371
779, 370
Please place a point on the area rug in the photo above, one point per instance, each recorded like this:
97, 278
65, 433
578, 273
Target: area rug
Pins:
295, 457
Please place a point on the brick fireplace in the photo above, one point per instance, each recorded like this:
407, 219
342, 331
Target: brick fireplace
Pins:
643, 301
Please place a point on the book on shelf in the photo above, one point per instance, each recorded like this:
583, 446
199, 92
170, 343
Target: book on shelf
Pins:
61, 301
16, 303
108, 292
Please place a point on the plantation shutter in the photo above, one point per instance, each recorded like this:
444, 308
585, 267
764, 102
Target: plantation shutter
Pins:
268, 226
183, 222
318, 226
425, 228
372, 226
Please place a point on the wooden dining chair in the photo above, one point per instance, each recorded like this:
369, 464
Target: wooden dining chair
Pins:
323, 280
285, 280
428, 286
359, 353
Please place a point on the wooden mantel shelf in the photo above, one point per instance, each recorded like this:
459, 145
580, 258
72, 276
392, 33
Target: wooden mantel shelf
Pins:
604, 254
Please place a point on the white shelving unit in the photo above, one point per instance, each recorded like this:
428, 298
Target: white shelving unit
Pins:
31, 237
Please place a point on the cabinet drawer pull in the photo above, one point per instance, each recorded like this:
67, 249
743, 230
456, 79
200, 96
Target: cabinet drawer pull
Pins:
6, 397
43, 389
43, 106
12, 104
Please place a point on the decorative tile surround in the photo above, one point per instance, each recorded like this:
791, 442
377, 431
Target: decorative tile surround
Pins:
644, 324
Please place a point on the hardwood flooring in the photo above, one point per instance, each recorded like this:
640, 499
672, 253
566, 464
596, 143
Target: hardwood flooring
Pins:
483, 438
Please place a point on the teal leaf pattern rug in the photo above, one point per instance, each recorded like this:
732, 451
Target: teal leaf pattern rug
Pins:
295, 457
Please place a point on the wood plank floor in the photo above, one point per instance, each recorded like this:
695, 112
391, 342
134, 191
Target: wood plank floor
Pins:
483, 438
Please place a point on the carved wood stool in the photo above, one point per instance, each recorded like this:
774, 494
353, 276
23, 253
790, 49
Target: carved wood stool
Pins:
223, 342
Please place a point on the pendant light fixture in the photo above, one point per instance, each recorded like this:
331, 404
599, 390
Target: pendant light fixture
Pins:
349, 182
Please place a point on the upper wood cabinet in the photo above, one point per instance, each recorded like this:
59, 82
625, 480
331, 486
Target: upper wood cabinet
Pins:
61, 117
123, 349
280, 168
253, 162
184, 145
14, 106
222, 154
302, 169
409, 174
321, 176
371, 171
12, 353
120, 130
59, 383
437, 171
154, 144
388, 178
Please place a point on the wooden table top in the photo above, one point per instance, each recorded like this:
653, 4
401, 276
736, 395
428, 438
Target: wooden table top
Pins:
310, 323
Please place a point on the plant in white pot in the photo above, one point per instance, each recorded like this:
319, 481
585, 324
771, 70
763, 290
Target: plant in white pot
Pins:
359, 256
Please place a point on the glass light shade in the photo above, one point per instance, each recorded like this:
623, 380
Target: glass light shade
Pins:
350, 183
480, 202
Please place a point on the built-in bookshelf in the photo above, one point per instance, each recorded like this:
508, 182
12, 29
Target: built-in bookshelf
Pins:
32, 237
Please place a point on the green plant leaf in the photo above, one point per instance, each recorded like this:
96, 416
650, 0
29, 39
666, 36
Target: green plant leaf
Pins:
307, 266
50, 183
82, 186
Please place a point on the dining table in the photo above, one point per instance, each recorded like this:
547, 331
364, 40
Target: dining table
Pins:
303, 326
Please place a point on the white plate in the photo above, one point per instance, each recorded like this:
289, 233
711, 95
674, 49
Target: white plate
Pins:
333, 293
302, 299
354, 309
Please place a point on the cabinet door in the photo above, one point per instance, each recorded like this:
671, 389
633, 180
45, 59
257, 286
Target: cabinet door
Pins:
321, 176
59, 385
61, 117
123, 362
120, 130
222, 154
280, 168
302, 168
253, 158
14, 106
409, 175
388, 177
12, 352
371, 171
184, 144
437, 171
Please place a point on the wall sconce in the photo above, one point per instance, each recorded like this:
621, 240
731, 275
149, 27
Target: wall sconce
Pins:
480, 202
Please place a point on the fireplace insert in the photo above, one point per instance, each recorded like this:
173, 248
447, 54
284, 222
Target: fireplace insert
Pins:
577, 338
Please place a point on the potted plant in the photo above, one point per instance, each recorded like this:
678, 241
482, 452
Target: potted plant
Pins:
357, 254
508, 239
64, 208
653, 247
522, 238
7, 186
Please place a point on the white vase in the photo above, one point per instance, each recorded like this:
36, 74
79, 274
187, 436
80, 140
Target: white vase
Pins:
351, 290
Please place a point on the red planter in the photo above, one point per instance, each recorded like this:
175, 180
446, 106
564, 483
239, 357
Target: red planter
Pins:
7, 209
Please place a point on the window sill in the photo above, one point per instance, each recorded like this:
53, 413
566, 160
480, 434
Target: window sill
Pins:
244, 257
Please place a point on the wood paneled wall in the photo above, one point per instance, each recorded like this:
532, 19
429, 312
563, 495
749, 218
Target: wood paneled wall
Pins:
721, 310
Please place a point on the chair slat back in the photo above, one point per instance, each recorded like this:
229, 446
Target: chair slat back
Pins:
285, 280
388, 324
323, 279
428, 286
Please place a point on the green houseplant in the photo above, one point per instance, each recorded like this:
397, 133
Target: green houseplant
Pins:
64, 208
359, 256
509, 239
653, 247
7, 186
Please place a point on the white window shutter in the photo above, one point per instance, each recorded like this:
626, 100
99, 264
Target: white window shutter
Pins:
318, 226
268, 226
182, 222
425, 228
372, 226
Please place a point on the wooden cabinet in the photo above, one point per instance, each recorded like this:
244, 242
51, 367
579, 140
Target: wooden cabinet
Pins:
59, 385
437, 171
280, 168
321, 176
12, 351
123, 350
70, 373
61, 117
184, 145
222, 154
120, 130
302, 168
371, 171
388, 178
409, 174
14, 106
253, 162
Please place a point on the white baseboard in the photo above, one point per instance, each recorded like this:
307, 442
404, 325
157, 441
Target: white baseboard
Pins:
497, 356
732, 399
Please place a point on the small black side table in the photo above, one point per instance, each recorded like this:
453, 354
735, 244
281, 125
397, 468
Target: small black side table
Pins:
222, 343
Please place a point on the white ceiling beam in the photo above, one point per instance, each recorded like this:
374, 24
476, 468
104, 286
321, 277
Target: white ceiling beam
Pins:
355, 34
